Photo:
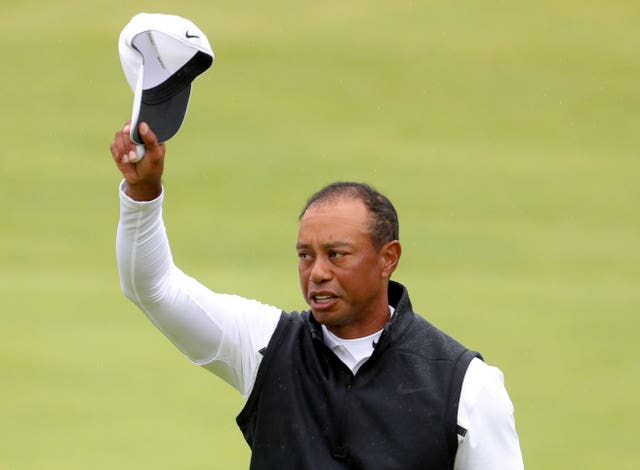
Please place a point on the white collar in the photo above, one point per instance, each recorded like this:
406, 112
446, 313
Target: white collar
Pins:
352, 352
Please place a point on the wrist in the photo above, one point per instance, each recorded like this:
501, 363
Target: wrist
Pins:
143, 191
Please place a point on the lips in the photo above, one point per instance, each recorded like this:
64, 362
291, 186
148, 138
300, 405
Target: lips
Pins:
321, 300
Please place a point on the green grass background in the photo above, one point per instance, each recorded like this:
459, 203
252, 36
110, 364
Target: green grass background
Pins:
505, 132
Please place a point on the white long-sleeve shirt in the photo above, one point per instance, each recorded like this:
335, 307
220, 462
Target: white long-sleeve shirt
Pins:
224, 334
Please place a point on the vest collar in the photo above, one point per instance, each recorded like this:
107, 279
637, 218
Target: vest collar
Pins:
401, 319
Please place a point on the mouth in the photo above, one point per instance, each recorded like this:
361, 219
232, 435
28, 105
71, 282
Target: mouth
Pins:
321, 300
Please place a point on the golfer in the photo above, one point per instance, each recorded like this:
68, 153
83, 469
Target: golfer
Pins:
358, 381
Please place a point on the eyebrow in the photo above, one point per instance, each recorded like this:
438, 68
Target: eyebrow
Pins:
326, 246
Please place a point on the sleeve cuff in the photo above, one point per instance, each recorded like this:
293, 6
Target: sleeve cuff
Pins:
127, 201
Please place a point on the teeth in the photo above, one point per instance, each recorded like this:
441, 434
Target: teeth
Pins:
322, 298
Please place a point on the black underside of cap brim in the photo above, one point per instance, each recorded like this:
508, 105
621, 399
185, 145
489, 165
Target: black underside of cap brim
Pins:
165, 117
164, 107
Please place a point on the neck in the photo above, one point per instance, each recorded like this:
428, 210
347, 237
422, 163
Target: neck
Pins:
370, 323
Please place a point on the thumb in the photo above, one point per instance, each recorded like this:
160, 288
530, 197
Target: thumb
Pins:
154, 151
148, 136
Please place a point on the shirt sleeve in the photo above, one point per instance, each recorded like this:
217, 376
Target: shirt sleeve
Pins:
486, 413
223, 333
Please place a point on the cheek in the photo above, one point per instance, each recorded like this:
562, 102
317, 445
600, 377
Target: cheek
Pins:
362, 277
303, 276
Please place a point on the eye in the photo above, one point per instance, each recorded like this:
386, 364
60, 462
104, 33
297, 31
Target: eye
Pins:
303, 255
337, 254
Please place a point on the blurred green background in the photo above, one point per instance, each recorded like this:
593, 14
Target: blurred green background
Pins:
506, 133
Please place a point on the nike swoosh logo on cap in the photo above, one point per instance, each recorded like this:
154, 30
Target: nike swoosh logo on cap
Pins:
190, 36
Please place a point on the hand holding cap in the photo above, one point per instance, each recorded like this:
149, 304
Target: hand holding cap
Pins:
161, 55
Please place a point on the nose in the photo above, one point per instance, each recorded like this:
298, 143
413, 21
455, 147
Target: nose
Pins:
320, 271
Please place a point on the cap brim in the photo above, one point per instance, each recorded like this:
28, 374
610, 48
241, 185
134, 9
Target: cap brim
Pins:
164, 117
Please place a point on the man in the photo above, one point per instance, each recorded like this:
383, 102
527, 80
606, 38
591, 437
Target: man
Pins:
358, 382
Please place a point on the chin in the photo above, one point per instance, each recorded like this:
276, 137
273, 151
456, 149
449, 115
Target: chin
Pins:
329, 319
325, 318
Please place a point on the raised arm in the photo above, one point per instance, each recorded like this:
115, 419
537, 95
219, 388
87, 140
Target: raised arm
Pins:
221, 332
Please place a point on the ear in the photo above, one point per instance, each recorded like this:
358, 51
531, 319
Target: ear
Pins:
389, 258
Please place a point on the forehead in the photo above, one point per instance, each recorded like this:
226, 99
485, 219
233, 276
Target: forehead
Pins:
343, 216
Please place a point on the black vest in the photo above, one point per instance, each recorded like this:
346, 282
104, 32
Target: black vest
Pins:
399, 412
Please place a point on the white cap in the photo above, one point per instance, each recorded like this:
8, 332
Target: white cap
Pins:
161, 55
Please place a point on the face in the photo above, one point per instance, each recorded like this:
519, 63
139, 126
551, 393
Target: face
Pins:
343, 277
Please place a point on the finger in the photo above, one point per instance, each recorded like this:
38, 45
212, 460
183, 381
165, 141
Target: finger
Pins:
117, 147
121, 148
115, 153
124, 144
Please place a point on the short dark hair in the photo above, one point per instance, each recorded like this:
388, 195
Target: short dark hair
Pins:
384, 224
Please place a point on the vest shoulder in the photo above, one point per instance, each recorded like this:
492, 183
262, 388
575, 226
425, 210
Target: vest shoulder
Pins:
424, 338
